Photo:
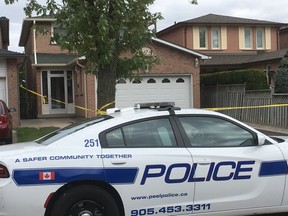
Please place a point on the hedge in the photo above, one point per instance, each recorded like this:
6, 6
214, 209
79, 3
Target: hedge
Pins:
254, 79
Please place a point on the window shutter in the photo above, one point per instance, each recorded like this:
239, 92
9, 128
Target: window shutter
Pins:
241, 38
267, 38
223, 37
196, 39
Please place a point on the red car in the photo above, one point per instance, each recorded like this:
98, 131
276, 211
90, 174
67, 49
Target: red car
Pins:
5, 123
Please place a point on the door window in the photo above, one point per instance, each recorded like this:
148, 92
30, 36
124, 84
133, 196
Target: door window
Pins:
205, 131
156, 133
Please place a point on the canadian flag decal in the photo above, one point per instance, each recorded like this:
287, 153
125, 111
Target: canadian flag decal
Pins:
46, 176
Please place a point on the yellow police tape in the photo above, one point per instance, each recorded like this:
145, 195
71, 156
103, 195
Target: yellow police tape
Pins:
102, 112
99, 111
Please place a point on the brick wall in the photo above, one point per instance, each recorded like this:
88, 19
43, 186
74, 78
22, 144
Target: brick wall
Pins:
43, 40
183, 36
13, 90
173, 61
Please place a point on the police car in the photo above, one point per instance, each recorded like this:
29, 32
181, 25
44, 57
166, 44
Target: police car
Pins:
136, 162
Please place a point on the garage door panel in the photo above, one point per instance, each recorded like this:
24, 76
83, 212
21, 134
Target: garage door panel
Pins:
165, 89
3, 89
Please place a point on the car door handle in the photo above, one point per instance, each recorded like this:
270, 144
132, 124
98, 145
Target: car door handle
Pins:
118, 162
204, 162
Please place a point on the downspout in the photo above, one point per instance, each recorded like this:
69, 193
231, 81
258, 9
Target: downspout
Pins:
34, 42
85, 89
185, 36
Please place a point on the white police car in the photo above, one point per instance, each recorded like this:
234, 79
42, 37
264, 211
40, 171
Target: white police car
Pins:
136, 162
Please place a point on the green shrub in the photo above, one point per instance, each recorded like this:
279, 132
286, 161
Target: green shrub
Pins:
281, 77
254, 79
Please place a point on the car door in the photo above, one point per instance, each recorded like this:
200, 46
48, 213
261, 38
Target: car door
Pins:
230, 170
148, 165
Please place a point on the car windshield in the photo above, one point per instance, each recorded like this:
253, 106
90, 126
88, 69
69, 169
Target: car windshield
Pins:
59, 134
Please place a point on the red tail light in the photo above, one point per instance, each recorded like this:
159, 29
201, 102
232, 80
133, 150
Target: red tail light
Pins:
4, 172
3, 119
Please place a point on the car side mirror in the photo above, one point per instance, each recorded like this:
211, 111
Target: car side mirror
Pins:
12, 109
261, 139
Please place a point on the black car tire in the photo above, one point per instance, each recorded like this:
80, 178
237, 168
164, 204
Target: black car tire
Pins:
85, 200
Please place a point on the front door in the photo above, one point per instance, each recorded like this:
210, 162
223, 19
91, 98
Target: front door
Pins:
57, 87
58, 94
232, 172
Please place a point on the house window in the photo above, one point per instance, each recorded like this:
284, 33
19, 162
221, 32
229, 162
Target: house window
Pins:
248, 38
56, 31
165, 80
121, 81
136, 81
203, 37
180, 80
151, 81
260, 38
215, 33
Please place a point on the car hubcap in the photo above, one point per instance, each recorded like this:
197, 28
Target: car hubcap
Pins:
86, 208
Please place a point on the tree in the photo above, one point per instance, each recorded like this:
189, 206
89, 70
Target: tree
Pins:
102, 30
281, 77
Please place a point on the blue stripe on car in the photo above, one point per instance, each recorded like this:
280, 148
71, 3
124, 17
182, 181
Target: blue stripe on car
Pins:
24, 177
273, 168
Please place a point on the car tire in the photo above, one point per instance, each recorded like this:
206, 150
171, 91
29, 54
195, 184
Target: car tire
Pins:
85, 200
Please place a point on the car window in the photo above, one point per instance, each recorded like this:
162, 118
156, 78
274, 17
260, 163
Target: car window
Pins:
156, 133
215, 132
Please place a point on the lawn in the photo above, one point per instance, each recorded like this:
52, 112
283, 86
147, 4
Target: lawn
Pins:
30, 133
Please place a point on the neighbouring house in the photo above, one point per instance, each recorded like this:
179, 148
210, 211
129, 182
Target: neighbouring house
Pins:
284, 37
231, 42
9, 60
63, 88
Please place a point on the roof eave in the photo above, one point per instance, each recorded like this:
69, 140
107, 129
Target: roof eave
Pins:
175, 46
27, 24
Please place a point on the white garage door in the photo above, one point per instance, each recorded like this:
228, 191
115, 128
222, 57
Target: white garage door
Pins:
154, 89
3, 74
3, 89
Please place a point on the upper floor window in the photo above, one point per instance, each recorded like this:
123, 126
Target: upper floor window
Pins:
255, 38
248, 38
260, 33
206, 37
203, 37
56, 31
215, 35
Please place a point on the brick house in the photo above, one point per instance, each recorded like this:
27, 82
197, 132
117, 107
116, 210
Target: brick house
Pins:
231, 42
9, 60
284, 37
66, 89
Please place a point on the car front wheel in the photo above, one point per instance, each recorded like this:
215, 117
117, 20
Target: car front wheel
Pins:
85, 200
